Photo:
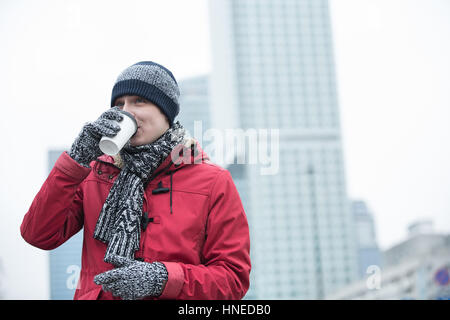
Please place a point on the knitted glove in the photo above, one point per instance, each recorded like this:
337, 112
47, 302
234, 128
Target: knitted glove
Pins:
85, 147
133, 279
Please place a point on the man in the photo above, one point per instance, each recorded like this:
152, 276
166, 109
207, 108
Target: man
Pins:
160, 220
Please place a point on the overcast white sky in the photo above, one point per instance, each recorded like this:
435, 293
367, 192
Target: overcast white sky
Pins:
59, 59
393, 67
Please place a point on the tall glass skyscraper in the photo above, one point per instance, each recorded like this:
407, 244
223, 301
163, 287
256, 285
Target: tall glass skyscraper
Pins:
273, 67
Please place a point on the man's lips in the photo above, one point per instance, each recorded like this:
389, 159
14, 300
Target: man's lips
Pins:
135, 132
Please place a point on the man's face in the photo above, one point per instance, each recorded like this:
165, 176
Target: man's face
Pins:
152, 123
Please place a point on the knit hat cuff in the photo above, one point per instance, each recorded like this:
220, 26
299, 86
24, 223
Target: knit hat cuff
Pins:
149, 92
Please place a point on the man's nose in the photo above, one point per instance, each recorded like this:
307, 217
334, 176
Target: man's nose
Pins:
127, 108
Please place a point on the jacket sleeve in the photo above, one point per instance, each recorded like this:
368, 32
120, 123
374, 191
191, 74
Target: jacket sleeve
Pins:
225, 271
56, 212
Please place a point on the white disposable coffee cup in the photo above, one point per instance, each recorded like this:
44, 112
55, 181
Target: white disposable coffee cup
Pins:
128, 127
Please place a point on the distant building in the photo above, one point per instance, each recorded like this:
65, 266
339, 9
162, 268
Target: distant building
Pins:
421, 239
368, 251
417, 268
65, 261
420, 227
194, 103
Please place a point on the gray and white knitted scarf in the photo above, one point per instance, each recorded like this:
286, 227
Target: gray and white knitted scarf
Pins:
119, 223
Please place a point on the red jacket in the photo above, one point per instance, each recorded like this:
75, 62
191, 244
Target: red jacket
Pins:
199, 228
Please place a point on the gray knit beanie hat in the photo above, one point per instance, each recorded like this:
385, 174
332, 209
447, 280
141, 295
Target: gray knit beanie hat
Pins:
153, 82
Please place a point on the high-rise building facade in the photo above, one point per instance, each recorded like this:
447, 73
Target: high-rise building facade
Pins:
273, 68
